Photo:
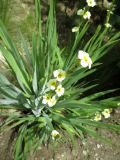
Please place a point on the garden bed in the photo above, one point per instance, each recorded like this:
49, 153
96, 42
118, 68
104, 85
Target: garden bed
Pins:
91, 149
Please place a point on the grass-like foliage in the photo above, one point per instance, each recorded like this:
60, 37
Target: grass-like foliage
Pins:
4, 10
48, 94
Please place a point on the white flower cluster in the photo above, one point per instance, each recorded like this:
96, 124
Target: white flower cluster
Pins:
56, 87
84, 12
106, 113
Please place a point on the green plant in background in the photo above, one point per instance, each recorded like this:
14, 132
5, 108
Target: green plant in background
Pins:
15, 14
4, 10
48, 96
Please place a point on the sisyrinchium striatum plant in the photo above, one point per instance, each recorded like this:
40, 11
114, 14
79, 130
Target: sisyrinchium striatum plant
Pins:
48, 93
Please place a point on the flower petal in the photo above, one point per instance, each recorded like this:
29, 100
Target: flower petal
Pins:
84, 63
55, 73
81, 54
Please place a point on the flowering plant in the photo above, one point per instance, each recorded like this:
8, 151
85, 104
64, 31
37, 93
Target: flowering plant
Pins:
50, 84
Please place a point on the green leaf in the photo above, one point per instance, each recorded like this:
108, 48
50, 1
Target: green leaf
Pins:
13, 64
35, 80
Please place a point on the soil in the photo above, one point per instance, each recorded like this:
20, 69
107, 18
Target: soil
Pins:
89, 150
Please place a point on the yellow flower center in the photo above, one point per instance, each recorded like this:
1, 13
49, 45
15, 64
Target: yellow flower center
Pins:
59, 89
86, 59
60, 75
53, 83
48, 97
106, 112
98, 117
90, 2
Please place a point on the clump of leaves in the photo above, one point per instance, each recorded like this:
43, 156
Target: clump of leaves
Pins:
42, 110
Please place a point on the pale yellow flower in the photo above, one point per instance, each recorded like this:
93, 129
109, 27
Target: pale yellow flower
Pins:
80, 12
52, 84
75, 29
108, 25
87, 15
91, 3
55, 134
60, 90
59, 75
98, 117
46, 99
118, 104
52, 101
85, 60
106, 113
